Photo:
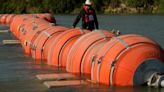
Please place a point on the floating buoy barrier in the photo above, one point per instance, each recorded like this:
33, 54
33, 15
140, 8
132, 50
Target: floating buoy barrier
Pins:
101, 56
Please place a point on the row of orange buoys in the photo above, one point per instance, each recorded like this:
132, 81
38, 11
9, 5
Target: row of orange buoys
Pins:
101, 54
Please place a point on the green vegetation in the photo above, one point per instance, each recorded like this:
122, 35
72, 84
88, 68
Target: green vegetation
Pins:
73, 6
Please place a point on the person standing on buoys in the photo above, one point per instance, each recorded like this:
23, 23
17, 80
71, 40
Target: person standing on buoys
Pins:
88, 15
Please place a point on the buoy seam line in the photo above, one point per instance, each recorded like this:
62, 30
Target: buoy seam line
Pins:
74, 49
64, 43
43, 47
50, 37
64, 47
61, 50
84, 52
76, 46
100, 60
47, 34
44, 32
51, 51
92, 70
113, 64
88, 48
116, 41
69, 63
82, 62
90, 61
32, 38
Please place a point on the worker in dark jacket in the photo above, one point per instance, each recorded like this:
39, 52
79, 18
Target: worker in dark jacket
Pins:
89, 18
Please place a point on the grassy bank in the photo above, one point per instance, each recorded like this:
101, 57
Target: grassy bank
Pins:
74, 6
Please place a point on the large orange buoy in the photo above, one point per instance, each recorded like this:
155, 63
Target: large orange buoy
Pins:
89, 56
60, 42
48, 44
3, 18
20, 27
65, 51
20, 20
81, 46
10, 18
17, 21
118, 60
31, 36
30, 25
38, 44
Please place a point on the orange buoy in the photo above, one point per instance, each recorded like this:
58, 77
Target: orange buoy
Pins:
65, 51
3, 18
89, 56
48, 44
29, 25
25, 27
31, 36
39, 42
20, 20
10, 18
118, 60
81, 46
17, 21
60, 42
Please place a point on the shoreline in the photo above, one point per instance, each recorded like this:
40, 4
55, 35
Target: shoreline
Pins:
113, 14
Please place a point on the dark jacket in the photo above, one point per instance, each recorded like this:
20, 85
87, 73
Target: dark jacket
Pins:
89, 18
